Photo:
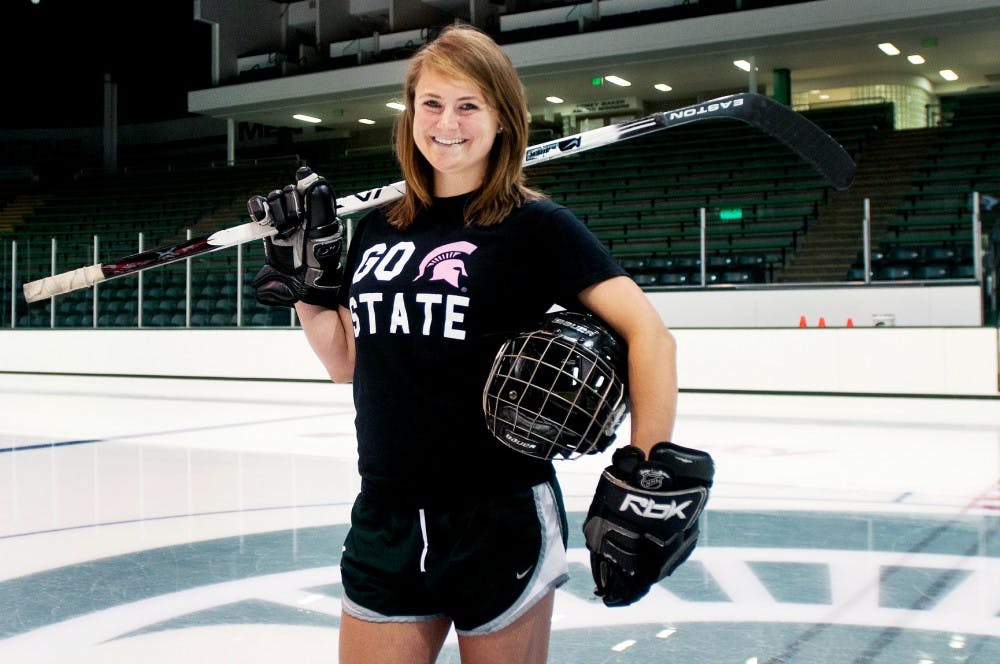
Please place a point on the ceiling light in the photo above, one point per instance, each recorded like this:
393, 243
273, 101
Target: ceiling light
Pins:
396, 106
306, 118
948, 75
366, 121
916, 59
824, 97
663, 87
888, 48
617, 80
743, 64
554, 100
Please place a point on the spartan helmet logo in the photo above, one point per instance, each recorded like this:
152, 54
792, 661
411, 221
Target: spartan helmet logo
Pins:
559, 390
445, 263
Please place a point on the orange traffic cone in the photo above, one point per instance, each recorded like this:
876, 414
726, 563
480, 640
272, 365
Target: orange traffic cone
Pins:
850, 322
822, 322
802, 322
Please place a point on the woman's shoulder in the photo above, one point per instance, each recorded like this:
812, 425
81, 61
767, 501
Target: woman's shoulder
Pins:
542, 208
542, 204
548, 213
376, 218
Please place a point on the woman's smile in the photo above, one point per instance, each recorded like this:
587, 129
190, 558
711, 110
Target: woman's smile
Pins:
454, 127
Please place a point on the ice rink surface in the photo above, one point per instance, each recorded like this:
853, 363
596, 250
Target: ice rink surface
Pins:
169, 520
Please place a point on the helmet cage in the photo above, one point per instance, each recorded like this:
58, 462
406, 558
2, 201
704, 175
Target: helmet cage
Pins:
558, 391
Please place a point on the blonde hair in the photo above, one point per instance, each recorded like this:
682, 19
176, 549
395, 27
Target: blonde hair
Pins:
465, 53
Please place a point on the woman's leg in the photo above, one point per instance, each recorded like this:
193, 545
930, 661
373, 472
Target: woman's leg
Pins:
363, 642
525, 641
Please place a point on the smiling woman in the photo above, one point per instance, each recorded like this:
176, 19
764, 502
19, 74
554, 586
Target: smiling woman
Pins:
433, 282
477, 79
454, 128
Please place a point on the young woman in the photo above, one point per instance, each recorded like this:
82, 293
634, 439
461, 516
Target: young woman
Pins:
451, 527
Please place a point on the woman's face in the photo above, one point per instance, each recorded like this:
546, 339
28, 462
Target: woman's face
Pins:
454, 129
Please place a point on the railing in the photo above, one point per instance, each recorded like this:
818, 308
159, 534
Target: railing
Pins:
195, 299
932, 114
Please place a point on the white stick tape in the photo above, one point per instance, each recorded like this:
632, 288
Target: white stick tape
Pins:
63, 283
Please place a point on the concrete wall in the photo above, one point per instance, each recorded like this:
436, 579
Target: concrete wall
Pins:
906, 304
883, 360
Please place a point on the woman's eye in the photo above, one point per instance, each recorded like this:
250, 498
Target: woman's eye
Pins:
468, 107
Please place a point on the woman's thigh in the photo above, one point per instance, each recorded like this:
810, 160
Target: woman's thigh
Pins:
363, 642
525, 641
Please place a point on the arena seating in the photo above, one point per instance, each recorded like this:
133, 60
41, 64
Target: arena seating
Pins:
640, 198
931, 234
161, 205
643, 198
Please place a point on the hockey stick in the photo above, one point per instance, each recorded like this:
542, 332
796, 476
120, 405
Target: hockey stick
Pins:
792, 129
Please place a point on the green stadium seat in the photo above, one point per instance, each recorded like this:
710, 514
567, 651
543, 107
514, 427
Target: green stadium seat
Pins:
935, 271
894, 273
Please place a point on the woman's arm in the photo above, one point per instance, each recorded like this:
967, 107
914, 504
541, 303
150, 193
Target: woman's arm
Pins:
652, 361
331, 336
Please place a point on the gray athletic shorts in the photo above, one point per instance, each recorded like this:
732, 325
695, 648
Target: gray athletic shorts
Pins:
481, 565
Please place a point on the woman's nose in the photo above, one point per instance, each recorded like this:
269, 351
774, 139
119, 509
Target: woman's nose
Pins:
448, 118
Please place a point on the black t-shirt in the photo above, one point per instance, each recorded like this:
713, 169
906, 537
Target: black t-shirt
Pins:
430, 308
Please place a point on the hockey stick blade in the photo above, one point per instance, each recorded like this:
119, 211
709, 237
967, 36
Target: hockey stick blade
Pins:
794, 130
804, 138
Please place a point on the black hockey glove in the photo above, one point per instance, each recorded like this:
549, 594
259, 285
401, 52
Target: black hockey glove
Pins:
303, 258
643, 521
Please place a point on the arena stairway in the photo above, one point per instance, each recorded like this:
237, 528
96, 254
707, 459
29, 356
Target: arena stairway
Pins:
929, 235
964, 159
885, 171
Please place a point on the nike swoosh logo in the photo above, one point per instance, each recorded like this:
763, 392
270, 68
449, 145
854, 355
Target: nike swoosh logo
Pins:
521, 575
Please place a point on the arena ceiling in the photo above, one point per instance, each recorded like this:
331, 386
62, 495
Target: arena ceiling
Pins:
822, 54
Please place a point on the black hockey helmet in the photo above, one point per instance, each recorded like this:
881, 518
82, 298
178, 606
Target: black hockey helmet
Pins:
560, 390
